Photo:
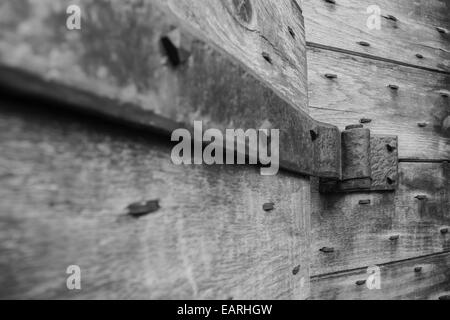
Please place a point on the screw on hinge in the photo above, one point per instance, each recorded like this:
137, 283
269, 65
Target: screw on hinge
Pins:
421, 197
364, 43
441, 30
268, 206
418, 55
267, 57
327, 250
364, 202
417, 269
139, 209
331, 76
444, 230
393, 86
390, 148
422, 124
360, 282
296, 270
390, 180
390, 17
365, 120
394, 237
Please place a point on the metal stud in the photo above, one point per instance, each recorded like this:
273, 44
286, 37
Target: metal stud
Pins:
140, 209
364, 43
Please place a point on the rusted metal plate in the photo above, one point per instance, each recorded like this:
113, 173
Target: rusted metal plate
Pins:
382, 164
138, 63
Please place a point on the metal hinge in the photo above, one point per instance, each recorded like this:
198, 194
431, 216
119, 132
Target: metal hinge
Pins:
363, 161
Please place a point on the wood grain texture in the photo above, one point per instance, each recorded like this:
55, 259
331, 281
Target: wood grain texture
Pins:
136, 62
360, 232
116, 51
399, 281
361, 91
67, 180
344, 24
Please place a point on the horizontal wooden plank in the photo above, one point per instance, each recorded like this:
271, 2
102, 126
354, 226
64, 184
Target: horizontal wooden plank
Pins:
416, 111
374, 228
426, 278
141, 78
116, 51
67, 181
406, 29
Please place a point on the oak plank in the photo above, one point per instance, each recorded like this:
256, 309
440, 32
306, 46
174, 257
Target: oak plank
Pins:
344, 24
67, 181
116, 51
361, 91
139, 62
361, 233
399, 281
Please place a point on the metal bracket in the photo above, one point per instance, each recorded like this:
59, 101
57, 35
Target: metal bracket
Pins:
368, 162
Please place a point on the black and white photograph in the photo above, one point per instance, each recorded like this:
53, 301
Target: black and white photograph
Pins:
225, 154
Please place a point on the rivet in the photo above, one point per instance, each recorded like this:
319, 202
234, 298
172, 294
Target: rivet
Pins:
360, 282
421, 197
140, 209
422, 124
364, 202
444, 230
331, 76
364, 43
365, 120
393, 86
268, 206
267, 57
354, 126
314, 134
441, 30
390, 17
417, 269
390, 148
296, 270
327, 250
394, 238
418, 55
176, 48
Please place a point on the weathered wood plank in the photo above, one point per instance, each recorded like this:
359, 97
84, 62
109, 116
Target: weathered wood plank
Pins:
66, 181
407, 29
140, 57
361, 91
115, 52
364, 233
399, 281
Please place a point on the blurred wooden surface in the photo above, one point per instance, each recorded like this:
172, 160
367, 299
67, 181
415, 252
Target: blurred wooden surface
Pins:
407, 28
68, 180
423, 278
